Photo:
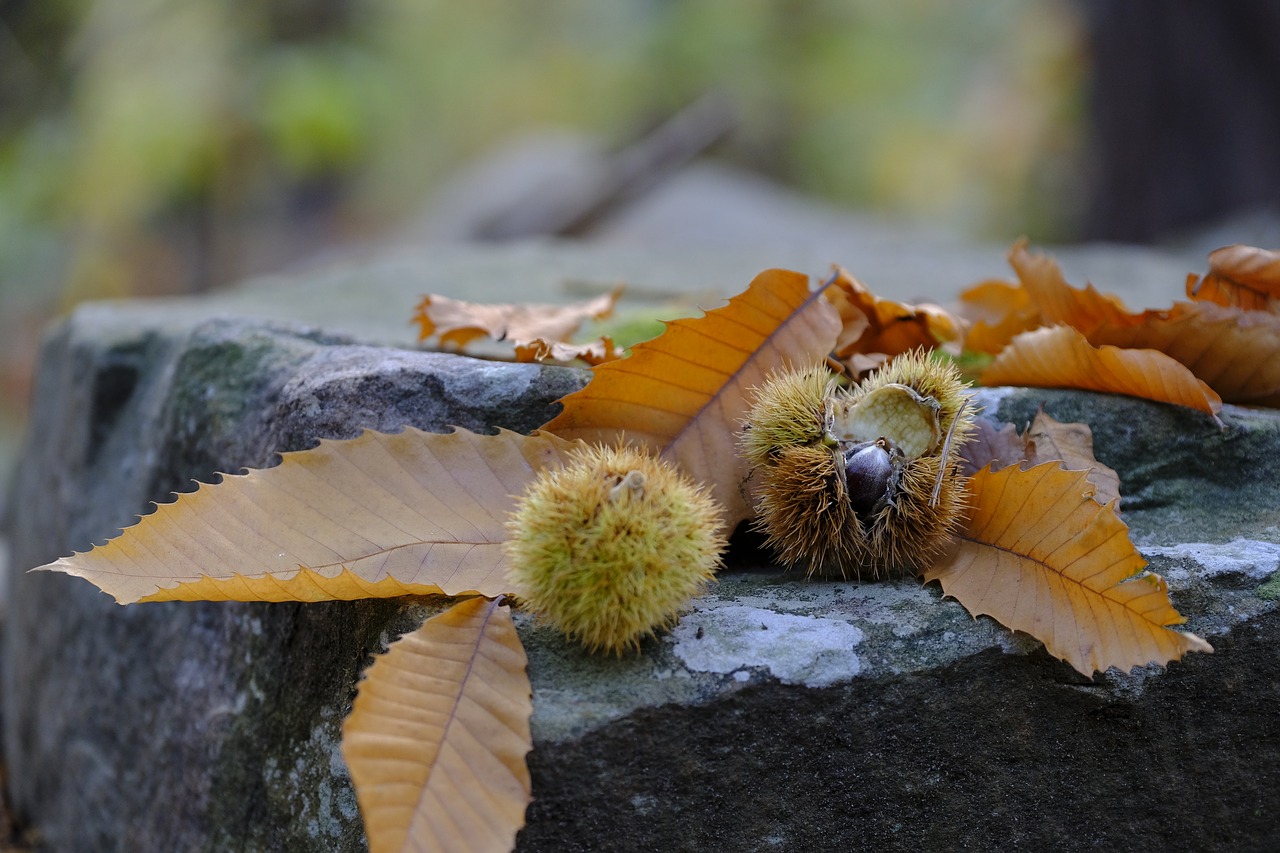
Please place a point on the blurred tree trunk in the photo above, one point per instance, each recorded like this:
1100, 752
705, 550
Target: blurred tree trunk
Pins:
1185, 113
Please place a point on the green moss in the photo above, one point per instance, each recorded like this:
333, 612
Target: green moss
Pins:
1270, 591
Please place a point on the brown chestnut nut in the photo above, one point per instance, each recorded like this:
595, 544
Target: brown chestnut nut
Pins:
869, 475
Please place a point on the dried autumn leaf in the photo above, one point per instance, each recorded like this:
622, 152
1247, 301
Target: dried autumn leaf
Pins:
684, 393
859, 364
374, 517
989, 445
1234, 352
1070, 445
458, 322
870, 324
1061, 357
438, 734
1242, 277
541, 349
1046, 440
1058, 302
1040, 555
993, 300
997, 312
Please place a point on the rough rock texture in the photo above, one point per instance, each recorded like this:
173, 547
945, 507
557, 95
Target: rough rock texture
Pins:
206, 726
879, 716
779, 714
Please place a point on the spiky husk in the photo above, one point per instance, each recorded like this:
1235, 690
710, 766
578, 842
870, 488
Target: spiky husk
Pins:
789, 411
607, 563
802, 498
804, 511
931, 377
803, 508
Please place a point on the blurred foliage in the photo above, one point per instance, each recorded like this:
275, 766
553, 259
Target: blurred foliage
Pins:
166, 145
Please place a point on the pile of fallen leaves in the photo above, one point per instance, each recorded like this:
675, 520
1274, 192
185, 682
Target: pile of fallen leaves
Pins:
1221, 346
437, 739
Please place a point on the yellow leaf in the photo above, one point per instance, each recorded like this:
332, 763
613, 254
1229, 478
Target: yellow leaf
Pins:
379, 515
458, 322
993, 300
684, 393
438, 734
1040, 555
1061, 357
1242, 277
1234, 352
1002, 310
860, 364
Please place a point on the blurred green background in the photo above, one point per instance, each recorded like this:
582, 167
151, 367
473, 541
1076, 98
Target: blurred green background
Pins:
171, 146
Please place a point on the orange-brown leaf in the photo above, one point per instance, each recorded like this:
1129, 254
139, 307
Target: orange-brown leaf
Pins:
541, 349
997, 311
993, 300
1040, 555
857, 365
1061, 357
1242, 277
870, 324
438, 734
1234, 352
1058, 302
1070, 445
457, 322
379, 515
1045, 440
684, 393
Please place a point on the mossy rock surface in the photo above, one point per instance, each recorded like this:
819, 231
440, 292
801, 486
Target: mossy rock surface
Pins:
209, 726
778, 714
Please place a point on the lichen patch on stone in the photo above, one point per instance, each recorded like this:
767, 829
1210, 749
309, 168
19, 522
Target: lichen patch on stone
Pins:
1248, 557
815, 652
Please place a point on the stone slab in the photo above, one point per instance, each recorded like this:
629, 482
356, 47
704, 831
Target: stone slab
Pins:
778, 714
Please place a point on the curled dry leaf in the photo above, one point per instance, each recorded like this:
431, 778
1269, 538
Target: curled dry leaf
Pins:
998, 447
1046, 440
1002, 310
1040, 555
870, 324
1070, 445
1242, 277
1061, 357
1234, 352
541, 349
457, 322
997, 311
438, 734
684, 393
374, 517
859, 364
1058, 302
